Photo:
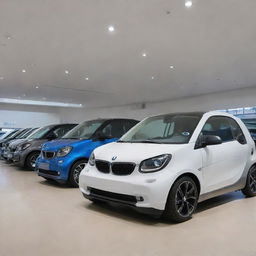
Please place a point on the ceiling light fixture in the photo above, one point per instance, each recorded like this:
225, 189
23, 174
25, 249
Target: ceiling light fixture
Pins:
152, 77
23, 70
87, 78
144, 54
188, 4
111, 28
171, 67
66, 72
40, 103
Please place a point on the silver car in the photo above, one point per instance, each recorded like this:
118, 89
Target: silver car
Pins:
26, 152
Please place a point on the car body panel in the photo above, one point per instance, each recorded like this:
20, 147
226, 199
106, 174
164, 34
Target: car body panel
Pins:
206, 164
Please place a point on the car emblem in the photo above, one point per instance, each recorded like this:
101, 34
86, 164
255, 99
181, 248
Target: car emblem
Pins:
114, 158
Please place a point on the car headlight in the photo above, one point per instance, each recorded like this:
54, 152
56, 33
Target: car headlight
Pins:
92, 159
24, 146
64, 151
155, 164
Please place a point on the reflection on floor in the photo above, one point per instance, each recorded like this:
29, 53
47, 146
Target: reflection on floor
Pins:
43, 218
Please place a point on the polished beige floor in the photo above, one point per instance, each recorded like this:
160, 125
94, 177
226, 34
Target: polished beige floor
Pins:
42, 218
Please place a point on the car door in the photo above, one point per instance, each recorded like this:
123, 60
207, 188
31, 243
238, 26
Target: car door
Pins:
223, 164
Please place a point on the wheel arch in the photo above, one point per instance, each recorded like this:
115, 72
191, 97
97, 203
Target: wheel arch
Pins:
28, 154
193, 177
74, 162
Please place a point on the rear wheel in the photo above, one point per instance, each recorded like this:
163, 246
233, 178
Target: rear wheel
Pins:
182, 200
30, 162
75, 172
250, 187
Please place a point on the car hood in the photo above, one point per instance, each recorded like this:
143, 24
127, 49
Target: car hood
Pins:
57, 144
135, 152
16, 142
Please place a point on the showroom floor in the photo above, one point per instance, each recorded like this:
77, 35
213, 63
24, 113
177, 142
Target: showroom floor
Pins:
41, 218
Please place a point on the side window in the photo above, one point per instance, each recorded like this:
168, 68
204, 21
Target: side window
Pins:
237, 131
61, 131
115, 129
219, 126
128, 125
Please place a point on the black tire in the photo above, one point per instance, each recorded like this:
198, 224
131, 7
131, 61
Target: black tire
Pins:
250, 187
31, 160
76, 168
182, 200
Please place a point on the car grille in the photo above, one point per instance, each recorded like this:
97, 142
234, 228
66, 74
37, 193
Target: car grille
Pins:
122, 168
103, 166
115, 168
106, 195
54, 173
48, 154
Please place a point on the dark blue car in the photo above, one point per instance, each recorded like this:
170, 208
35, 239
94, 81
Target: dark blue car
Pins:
62, 160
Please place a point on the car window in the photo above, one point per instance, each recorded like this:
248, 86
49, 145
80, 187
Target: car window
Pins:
237, 131
219, 126
170, 129
115, 129
61, 130
129, 124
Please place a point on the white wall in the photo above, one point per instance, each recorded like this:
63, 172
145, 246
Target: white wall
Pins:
27, 116
231, 99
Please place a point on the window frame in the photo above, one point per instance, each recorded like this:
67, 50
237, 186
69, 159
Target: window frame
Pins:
228, 118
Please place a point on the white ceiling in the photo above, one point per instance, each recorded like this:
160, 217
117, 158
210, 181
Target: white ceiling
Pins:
211, 45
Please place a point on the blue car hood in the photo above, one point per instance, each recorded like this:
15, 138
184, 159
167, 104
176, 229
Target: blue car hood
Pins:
57, 144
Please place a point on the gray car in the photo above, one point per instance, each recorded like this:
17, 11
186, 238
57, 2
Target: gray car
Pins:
26, 153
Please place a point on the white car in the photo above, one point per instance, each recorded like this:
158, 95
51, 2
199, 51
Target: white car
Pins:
166, 164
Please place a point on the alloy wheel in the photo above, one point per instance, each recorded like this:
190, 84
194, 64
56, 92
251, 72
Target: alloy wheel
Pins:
252, 180
77, 172
186, 198
33, 160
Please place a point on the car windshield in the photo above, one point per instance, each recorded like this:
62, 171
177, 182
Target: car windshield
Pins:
84, 130
168, 129
40, 133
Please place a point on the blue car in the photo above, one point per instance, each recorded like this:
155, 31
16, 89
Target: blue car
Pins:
63, 159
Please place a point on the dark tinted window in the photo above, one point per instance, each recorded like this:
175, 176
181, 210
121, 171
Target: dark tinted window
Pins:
115, 129
237, 132
219, 126
60, 131
128, 124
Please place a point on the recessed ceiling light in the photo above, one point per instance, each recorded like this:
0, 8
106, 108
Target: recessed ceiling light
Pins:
144, 54
171, 67
188, 4
37, 86
1, 78
87, 78
66, 72
152, 77
111, 28
23, 70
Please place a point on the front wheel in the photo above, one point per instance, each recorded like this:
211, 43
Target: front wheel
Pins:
182, 200
75, 172
31, 160
250, 187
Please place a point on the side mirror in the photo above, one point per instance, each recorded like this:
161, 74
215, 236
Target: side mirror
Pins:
208, 140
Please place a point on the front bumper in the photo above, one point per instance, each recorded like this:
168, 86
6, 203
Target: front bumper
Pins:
19, 158
55, 168
148, 191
